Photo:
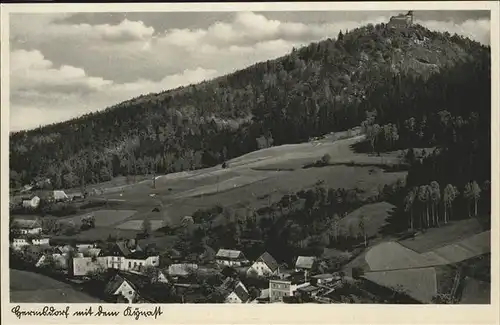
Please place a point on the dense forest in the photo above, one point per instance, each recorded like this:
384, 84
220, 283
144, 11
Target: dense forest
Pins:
448, 112
411, 87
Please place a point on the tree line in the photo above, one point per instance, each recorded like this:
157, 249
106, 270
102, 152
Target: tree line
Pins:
326, 86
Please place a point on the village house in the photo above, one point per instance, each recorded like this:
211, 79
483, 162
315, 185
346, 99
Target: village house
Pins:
85, 246
59, 195
234, 291
31, 202
91, 252
60, 260
28, 227
229, 257
82, 266
119, 287
40, 241
19, 243
127, 287
76, 196
310, 291
28, 240
323, 279
285, 286
265, 265
305, 264
128, 256
65, 249
181, 270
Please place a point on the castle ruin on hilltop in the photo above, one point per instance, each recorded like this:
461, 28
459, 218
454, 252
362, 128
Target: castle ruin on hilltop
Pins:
401, 21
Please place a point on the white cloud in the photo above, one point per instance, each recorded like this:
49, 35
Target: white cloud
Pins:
88, 67
41, 93
478, 30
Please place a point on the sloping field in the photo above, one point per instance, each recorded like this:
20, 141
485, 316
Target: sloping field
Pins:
224, 185
444, 235
137, 224
393, 256
420, 284
473, 246
104, 218
28, 287
375, 215
241, 187
99, 233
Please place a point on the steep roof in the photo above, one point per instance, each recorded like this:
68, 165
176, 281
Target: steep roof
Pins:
58, 194
241, 292
229, 254
27, 224
230, 285
83, 265
114, 284
181, 269
305, 262
269, 260
90, 251
124, 249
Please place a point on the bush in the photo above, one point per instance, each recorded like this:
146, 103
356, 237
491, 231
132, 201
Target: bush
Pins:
326, 159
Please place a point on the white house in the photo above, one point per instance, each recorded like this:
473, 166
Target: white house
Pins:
285, 286
229, 257
83, 265
136, 264
305, 264
235, 291
265, 265
120, 286
28, 227
183, 269
60, 195
40, 241
32, 203
18, 243
84, 246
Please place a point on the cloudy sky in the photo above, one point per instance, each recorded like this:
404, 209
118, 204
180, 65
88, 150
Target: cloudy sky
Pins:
65, 65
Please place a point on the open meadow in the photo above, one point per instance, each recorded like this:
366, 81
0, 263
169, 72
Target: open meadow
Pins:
29, 287
248, 182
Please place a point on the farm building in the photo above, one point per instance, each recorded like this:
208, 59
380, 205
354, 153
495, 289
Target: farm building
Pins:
181, 270
28, 227
234, 291
40, 241
60, 195
83, 265
128, 287
305, 264
229, 257
285, 286
32, 202
76, 195
121, 287
264, 265
18, 243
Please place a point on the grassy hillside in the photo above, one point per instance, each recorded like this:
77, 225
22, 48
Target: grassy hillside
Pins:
28, 287
323, 87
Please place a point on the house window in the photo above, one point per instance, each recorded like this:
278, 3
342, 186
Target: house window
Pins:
129, 264
130, 292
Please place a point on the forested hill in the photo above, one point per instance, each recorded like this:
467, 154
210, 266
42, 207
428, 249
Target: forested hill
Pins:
326, 86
